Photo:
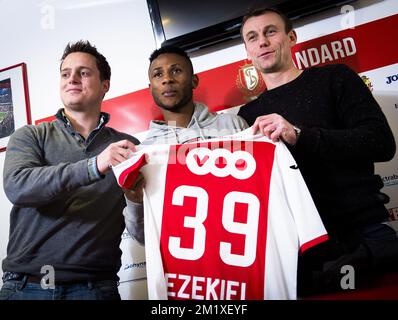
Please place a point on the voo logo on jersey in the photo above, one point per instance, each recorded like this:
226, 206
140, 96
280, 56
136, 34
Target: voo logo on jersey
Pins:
221, 163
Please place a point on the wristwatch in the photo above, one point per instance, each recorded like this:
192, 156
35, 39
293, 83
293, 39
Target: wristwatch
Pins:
297, 131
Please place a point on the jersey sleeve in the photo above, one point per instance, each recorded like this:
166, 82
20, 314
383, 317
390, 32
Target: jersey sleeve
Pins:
309, 225
126, 172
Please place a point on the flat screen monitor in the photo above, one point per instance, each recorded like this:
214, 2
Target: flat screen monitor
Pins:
195, 24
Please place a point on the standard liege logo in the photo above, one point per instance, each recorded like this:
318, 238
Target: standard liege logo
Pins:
249, 82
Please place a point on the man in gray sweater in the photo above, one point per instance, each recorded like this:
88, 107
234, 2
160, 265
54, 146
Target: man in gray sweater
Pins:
66, 220
172, 82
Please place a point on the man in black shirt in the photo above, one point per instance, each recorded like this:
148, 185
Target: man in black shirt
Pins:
336, 131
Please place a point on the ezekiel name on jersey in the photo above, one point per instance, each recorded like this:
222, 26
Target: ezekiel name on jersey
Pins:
224, 218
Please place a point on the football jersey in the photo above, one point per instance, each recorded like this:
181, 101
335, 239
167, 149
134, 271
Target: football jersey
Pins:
224, 218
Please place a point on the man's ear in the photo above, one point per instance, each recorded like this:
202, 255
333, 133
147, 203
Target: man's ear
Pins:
195, 81
292, 37
106, 84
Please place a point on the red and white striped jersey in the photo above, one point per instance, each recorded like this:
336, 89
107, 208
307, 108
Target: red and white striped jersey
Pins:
224, 218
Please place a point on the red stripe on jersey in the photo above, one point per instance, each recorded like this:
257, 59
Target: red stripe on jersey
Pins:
127, 177
313, 243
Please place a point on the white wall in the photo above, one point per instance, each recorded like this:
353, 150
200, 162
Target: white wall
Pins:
36, 32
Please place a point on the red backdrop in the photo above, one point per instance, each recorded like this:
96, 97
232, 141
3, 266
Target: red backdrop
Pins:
359, 48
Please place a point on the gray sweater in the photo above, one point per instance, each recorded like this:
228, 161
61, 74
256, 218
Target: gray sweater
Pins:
62, 214
203, 125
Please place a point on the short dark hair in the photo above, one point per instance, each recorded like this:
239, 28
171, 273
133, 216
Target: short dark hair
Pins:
170, 49
259, 12
86, 47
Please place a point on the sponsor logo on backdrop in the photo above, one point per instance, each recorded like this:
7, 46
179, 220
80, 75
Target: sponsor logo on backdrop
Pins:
328, 52
250, 82
368, 83
391, 79
393, 213
390, 180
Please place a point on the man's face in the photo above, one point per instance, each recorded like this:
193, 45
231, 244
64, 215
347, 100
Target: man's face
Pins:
171, 81
81, 87
267, 44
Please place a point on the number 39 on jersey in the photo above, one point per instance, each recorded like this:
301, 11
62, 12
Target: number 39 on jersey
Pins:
214, 224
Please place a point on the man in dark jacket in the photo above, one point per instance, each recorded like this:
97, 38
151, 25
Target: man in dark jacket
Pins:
336, 131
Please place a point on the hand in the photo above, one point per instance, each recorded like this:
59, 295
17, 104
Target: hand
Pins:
114, 154
135, 194
275, 127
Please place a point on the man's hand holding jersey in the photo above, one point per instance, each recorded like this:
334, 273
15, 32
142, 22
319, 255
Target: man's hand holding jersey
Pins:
114, 154
275, 127
135, 193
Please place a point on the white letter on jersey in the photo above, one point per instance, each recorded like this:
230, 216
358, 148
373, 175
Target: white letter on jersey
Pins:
186, 279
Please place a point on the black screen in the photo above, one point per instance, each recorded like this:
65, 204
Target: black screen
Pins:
181, 17
195, 24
